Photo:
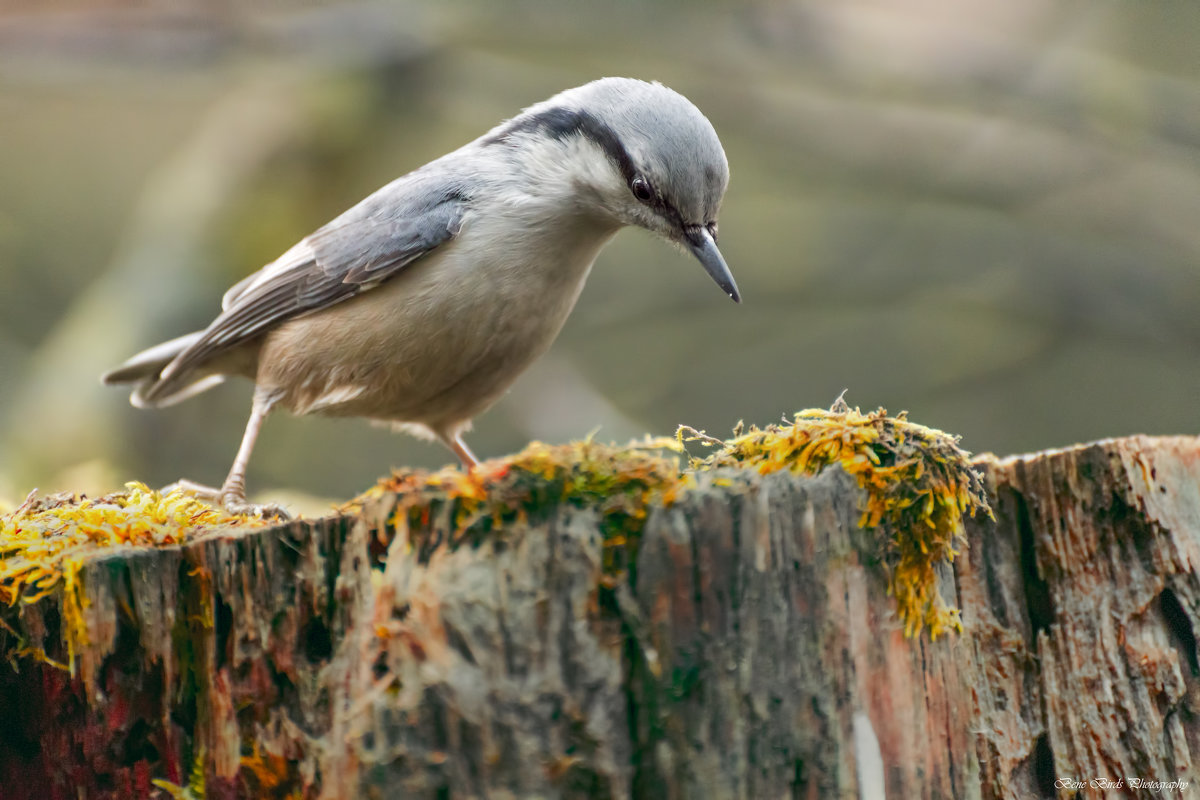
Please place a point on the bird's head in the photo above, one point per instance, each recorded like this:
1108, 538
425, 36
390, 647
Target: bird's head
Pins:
635, 153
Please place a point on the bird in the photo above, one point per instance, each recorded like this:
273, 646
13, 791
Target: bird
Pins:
421, 305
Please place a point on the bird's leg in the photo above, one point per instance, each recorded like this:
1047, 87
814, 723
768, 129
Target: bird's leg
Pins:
460, 449
233, 491
232, 494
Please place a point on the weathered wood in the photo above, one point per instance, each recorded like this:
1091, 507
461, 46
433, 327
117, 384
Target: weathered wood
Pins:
1086, 600
752, 651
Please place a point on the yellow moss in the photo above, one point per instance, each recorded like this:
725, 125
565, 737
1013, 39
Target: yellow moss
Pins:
48, 537
919, 484
74, 602
45, 542
196, 785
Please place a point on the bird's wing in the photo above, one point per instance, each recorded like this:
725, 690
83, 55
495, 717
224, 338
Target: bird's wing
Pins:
352, 254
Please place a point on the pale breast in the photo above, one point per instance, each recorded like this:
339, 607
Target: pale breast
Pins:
443, 340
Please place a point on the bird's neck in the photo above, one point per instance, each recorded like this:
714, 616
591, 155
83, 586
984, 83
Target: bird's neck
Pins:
569, 180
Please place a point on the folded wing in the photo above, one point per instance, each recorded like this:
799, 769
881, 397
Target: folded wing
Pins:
352, 254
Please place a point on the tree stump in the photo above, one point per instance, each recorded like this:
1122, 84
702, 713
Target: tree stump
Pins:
748, 648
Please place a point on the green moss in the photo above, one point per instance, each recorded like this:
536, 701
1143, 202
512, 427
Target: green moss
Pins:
619, 483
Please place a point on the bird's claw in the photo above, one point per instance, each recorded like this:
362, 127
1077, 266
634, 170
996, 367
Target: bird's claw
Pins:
234, 503
238, 507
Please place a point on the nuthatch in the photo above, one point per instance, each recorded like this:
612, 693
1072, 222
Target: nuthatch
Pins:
423, 303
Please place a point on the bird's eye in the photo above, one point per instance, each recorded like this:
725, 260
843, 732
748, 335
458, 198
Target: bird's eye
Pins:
641, 189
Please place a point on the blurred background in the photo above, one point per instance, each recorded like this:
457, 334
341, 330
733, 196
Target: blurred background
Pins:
985, 212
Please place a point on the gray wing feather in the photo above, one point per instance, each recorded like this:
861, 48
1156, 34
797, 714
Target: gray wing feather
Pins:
352, 254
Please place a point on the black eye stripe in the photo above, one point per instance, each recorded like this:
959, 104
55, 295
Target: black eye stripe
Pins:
564, 122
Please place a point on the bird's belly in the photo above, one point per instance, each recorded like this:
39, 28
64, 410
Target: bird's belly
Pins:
435, 345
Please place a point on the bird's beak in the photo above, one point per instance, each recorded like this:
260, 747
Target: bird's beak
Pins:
701, 243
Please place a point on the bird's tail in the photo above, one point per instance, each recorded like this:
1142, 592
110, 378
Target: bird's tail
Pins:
145, 369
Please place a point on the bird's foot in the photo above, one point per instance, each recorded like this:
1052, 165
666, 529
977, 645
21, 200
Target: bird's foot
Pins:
234, 502
241, 508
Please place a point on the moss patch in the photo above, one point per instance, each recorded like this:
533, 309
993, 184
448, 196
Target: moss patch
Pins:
919, 485
44, 543
619, 483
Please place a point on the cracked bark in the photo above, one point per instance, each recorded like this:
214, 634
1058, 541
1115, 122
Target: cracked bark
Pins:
753, 654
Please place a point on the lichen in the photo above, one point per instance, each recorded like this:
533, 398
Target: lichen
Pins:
918, 486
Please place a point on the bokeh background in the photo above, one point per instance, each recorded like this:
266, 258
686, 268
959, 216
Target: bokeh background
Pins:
985, 212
